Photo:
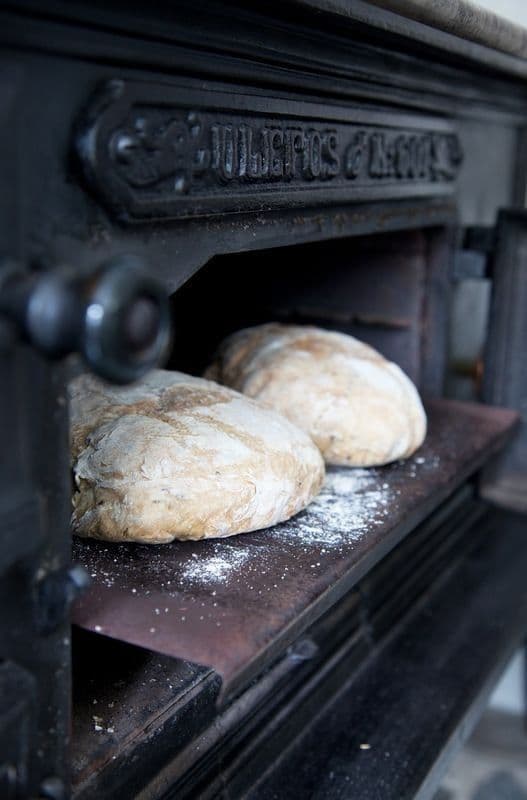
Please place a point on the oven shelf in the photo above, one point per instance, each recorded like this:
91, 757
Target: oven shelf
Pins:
236, 604
142, 720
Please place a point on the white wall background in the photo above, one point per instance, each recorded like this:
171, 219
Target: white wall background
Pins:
509, 693
515, 10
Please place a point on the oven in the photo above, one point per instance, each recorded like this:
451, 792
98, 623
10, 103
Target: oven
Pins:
173, 173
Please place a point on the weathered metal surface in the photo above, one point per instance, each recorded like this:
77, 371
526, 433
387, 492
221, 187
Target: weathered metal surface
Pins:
234, 604
135, 710
34, 556
505, 366
455, 27
166, 150
121, 694
466, 20
395, 727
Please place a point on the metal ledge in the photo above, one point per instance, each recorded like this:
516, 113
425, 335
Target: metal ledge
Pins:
394, 728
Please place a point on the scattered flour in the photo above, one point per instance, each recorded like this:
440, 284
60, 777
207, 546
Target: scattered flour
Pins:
215, 568
352, 502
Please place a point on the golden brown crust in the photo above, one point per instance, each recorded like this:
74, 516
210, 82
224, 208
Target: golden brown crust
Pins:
359, 408
180, 457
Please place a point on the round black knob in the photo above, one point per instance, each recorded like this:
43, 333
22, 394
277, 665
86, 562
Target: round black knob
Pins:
126, 327
117, 318
141, 323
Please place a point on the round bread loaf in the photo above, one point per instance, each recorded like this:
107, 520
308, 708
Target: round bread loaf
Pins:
177, 457
360, 409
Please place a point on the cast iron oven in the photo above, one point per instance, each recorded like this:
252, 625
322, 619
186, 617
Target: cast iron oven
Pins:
214, 165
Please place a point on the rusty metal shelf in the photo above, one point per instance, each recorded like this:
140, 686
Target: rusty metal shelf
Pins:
234, 605
134, 707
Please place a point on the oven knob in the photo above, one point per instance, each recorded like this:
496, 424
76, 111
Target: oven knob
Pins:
117, 318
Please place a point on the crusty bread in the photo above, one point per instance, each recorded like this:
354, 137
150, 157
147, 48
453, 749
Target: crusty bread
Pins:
177, 457
359, 408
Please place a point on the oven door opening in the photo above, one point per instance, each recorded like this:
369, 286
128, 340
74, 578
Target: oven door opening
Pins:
389, 290
182, 652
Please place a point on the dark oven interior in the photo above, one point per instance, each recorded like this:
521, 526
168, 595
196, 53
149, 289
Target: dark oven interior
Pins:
389, 290
177, 715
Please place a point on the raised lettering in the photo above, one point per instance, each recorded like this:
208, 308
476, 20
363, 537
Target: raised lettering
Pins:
277, 160
294, 144
168, 160
330, 143
355, 155
224, 151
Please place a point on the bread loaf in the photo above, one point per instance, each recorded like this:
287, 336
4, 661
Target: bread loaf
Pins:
177, 457
360, 409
